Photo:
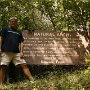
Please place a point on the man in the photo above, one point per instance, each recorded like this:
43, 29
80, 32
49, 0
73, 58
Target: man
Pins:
11, 49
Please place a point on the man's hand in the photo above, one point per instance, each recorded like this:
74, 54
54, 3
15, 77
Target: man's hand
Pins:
0, 51
21, 55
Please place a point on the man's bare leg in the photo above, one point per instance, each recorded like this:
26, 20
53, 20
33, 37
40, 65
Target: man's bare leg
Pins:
3, 69
26, 71
0, 78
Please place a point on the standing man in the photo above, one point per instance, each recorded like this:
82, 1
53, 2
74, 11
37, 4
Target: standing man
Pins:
11, 49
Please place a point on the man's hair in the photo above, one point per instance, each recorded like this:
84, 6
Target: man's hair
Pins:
13, 18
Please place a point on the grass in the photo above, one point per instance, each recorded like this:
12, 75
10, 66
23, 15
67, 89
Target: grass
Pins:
59, 78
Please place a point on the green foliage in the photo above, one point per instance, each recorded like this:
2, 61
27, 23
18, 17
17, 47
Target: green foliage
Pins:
57, 79
80, 12
88, 58
88, 63
47, 14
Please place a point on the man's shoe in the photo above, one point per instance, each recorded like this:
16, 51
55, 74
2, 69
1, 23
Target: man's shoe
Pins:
31, 81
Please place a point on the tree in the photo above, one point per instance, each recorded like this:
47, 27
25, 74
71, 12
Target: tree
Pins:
80, 12
46, 14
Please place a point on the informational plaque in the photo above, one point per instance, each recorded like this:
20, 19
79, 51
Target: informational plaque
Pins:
56, 47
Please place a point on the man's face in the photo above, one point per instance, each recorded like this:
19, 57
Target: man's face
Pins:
13, 23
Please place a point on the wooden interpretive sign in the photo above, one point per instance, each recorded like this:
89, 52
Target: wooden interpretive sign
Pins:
56, 47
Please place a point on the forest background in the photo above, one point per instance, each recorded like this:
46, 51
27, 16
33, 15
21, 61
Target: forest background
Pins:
63, 15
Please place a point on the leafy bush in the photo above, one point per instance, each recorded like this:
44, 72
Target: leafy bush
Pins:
57, 78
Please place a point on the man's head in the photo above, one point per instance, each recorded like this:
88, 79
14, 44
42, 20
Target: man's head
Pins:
13, 22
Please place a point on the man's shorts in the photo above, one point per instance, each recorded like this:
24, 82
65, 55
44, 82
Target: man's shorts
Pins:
7, 57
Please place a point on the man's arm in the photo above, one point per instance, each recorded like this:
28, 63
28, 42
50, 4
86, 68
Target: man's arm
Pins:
21, 47
0, 44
